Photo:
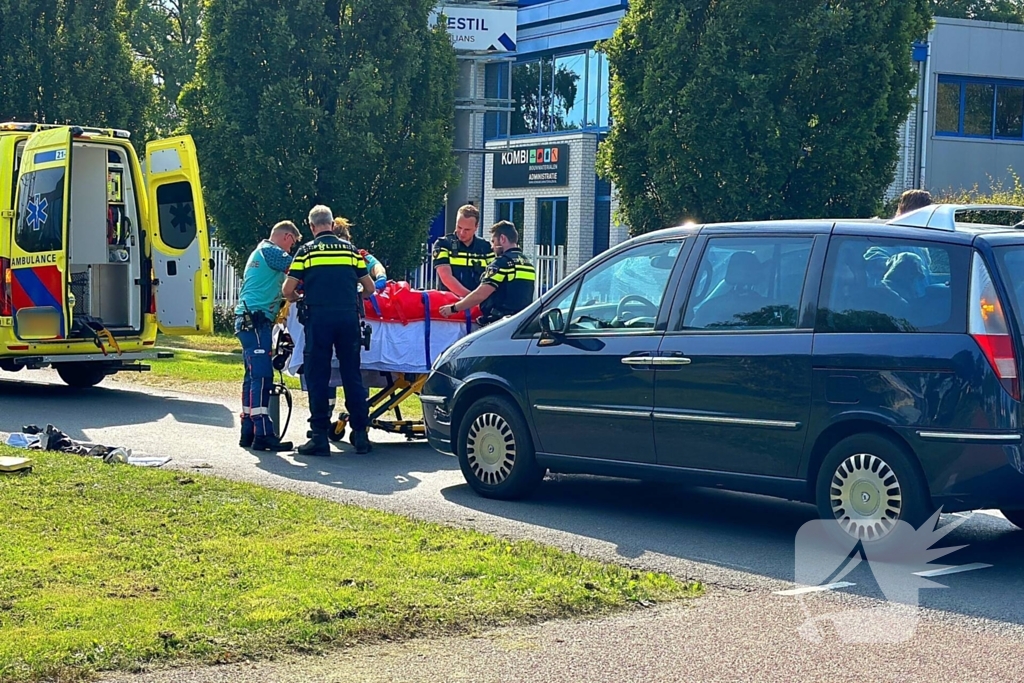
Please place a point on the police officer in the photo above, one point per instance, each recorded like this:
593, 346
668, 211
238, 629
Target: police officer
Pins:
329, 268
461, 257
258, 304
507, 284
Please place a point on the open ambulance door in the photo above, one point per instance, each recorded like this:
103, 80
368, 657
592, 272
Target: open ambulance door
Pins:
183, 283
39, 243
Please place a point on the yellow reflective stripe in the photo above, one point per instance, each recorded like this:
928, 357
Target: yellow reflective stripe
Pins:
500, 276
525, 274
458, 260
297, 266
441, 253
335, 260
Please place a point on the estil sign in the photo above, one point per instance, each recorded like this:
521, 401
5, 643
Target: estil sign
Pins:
532, 166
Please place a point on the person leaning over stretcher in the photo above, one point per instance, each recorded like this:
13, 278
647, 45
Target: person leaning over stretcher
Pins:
343, 229
506, 286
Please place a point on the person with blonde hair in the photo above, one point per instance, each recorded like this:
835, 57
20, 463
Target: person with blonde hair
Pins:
343, 229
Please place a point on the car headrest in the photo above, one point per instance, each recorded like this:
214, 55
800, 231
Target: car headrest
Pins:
743, 269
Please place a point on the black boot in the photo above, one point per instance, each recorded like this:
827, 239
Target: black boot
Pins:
361, 441
317, 445
248, 433
271, 443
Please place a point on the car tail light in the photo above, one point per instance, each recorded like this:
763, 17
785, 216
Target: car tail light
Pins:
988, 326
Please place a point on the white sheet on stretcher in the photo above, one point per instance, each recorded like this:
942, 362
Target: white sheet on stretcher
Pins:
394, 347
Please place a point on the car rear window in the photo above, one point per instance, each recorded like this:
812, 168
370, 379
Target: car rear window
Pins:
884, 286
1010, 260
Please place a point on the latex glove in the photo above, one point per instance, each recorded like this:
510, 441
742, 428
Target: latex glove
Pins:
381, 282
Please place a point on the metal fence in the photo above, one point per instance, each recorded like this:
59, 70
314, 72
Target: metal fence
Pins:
548, 261
226, 283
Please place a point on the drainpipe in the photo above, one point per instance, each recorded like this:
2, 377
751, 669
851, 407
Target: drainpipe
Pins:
923, 133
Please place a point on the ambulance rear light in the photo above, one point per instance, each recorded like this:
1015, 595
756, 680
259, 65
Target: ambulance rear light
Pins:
5, 287
988, 326
13, 125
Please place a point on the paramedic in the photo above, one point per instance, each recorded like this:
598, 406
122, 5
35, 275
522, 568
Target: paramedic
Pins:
329, 268
461, 257
258, 304
506, 286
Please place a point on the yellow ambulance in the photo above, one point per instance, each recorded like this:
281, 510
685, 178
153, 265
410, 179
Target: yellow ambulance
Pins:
96, 254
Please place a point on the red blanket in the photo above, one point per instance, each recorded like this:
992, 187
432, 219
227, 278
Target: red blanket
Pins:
399, 302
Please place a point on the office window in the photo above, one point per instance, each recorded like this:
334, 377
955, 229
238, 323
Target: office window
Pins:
560, 92
553, 222
568, 90
496, 88
985, 108
511, 210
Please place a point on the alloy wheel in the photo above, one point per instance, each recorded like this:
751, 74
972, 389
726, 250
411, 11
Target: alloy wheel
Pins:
491, 448
866, 497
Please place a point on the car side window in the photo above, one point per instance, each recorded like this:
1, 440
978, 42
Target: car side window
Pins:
882, 285
748, 283
625, 292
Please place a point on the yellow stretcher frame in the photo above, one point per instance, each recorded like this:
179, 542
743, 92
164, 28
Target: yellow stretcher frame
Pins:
401, 386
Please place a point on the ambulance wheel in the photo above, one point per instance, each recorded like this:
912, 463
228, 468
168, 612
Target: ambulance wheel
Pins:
496, 451
81, 375
337, 432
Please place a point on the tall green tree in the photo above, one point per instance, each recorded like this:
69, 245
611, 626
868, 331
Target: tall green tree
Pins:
166, 33
757, 109
344, 102
65, 61
1009, 11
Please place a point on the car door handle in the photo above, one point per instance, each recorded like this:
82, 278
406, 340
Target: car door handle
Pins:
639, 360
671, 360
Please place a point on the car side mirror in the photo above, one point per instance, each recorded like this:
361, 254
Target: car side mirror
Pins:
552, 325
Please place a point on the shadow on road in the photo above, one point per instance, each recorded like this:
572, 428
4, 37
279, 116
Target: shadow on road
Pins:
391, 467
748, 532
75, 410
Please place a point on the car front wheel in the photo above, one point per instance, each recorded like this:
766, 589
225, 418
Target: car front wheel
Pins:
81, 375
496, 451
867, 484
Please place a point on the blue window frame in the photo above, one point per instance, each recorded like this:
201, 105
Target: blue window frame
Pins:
553, 221
983, 108
560, 92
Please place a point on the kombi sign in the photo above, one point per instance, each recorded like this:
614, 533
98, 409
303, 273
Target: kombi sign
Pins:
545, 165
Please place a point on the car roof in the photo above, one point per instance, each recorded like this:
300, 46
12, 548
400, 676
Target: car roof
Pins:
936, 222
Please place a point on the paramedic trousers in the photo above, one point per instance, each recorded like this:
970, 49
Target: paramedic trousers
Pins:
337, 332
259, 375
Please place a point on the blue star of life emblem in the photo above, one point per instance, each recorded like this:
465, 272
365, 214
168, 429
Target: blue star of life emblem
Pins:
37, 212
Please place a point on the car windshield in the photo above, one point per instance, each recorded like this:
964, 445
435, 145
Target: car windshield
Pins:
1011, 264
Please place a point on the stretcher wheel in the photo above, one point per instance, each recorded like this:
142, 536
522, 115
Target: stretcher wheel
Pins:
337, 432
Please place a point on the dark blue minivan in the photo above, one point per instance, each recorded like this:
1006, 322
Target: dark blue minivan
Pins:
870, 368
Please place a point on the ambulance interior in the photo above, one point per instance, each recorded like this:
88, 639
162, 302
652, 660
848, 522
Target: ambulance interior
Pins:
104, 252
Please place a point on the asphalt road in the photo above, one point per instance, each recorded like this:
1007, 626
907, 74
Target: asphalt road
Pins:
737, 544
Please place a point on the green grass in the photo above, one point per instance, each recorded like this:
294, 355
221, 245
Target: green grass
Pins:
111, 567
223, 343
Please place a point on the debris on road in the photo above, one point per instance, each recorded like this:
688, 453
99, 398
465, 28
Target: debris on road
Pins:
31, 437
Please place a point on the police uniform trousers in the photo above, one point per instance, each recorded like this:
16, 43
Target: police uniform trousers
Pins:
330, 331
259, 374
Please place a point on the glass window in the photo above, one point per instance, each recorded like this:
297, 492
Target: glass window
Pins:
947, 109
1009, 111
177, 214
748, 284
625, 292
496, 88
525, 98
510, 210
41, 211
881, 285
978, 109
597, 90
553, 222
568, 92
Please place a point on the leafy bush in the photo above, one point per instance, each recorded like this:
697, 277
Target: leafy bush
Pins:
223, 320
998, 193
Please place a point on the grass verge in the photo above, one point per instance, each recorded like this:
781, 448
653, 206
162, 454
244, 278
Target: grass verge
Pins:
222, 343
115, 567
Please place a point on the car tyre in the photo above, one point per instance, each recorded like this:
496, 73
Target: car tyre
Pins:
496, 451
81, 375
1016, 517
867, 483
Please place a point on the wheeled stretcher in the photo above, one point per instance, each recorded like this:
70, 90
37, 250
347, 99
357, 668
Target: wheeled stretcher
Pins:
404, 342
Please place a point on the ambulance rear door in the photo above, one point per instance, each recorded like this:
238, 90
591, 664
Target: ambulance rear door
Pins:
39, 246
183, 281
